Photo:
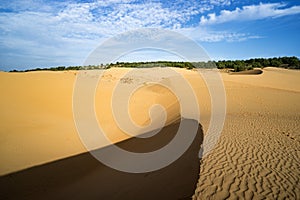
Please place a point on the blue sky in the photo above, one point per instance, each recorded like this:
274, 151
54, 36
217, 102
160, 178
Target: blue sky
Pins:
42, 33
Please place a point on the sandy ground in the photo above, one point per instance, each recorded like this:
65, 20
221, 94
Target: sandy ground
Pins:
84, 177
257, 154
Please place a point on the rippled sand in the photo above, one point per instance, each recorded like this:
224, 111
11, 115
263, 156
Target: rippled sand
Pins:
258, 154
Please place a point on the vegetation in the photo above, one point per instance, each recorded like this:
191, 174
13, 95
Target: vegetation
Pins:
241, 65
236, 65
186, 65
60, 68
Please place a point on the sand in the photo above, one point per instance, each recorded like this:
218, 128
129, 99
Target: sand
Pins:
256, 156
258, 153
84, 177
36, 119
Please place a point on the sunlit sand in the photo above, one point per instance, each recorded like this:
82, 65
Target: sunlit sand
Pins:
257, 153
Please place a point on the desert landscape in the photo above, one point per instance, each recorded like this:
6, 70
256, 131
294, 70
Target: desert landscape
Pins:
256, 157
149, 99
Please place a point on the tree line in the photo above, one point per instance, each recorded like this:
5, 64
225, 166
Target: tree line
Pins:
235, 65
241, 65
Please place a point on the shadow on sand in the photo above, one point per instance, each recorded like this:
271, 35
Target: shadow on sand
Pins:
84, 177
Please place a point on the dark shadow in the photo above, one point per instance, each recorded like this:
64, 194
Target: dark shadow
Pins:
248, 72
84, 177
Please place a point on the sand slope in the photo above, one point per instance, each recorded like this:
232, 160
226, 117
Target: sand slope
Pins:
37, 124
36, 119
83, 177
257, 154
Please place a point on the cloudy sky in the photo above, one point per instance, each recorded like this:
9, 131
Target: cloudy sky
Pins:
43, 33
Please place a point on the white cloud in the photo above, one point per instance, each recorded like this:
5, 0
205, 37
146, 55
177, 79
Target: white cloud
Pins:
252, 12
204, 35
71, 30
219, 2
63, 33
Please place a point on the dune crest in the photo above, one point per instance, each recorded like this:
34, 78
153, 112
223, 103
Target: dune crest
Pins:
86, 177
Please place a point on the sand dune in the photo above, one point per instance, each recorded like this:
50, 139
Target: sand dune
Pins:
257, 154
84, 177
36, 119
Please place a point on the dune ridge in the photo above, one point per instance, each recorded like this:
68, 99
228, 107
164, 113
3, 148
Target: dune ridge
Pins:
88, 178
